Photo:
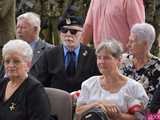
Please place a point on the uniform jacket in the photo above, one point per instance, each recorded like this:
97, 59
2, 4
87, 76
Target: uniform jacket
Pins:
50, 69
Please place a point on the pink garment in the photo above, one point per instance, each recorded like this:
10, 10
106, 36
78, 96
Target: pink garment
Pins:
112, 19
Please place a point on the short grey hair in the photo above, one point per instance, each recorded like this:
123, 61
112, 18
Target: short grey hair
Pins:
19, 46
112, 46
144, 32
32, 18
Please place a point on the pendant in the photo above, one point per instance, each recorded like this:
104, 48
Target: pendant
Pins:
12, 107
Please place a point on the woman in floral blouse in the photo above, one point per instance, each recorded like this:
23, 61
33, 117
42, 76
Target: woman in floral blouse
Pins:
140, 64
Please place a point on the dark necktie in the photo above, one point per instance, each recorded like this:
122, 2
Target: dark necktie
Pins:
71, 64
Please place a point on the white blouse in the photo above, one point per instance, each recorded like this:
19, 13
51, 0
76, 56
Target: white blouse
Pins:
92, 91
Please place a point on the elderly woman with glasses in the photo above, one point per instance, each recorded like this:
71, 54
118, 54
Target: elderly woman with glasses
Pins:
111, 91
22, 97
142, 65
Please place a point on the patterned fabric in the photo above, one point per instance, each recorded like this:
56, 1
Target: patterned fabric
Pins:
148, 75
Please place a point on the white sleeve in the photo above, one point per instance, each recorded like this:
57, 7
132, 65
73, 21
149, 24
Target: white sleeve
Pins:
84, 94
138, 92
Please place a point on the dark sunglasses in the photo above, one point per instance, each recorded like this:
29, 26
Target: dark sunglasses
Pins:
72, 31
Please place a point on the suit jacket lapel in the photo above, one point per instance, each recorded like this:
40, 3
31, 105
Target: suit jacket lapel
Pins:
83, 53
37, 51
61, 58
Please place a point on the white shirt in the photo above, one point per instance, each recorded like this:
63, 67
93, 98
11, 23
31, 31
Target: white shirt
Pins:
92, 91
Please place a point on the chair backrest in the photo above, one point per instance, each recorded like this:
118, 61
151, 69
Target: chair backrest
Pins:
60, 102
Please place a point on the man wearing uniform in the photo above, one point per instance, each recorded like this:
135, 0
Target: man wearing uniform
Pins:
67, 65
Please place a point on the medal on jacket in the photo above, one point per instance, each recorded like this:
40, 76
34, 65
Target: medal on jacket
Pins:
85, 53
12, 107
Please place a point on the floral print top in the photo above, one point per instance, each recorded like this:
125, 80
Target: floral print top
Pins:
148, 75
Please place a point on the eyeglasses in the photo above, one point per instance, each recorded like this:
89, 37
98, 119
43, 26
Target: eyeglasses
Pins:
72, 31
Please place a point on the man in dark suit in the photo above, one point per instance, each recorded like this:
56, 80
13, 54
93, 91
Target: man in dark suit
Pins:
28, 29
66, 66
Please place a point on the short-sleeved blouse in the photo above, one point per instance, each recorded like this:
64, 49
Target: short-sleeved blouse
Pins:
92, 91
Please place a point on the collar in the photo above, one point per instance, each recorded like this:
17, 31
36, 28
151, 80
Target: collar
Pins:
33, 44
76, 50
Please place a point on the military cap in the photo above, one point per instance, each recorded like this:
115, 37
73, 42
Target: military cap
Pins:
71, 20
